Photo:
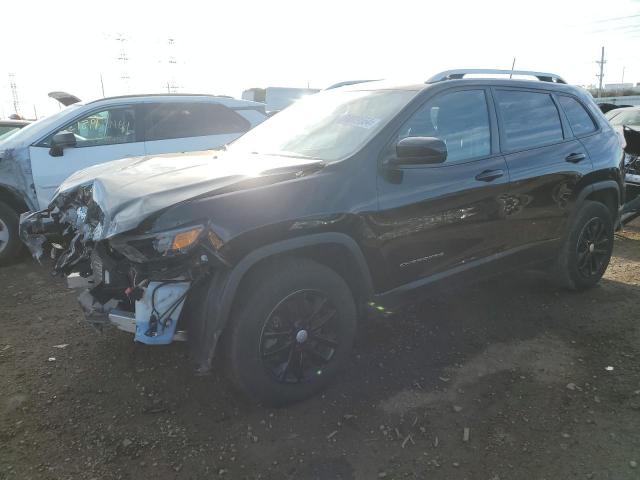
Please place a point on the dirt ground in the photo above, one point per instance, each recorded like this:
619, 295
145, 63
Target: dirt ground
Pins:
546, 382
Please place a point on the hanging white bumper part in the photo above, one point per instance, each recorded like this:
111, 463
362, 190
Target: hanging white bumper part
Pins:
155, 326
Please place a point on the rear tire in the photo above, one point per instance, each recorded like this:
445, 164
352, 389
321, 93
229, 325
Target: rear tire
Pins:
10, 244
291, 331
587, 249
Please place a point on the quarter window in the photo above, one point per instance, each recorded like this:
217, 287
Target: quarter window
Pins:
107, 127
460, 119
529, 119
182, 120
580, 121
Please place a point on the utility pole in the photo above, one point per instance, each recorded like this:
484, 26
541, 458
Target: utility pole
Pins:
102, 85
14, 93
602, 61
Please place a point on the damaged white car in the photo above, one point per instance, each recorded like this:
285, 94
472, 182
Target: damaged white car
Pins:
35, 160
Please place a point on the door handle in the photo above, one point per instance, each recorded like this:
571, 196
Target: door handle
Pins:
489, 175
575, 157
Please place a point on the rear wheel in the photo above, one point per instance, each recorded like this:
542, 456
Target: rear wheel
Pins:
291, 333
587, 250
10, 245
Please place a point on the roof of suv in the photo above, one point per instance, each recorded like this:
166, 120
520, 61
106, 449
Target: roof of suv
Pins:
456, 77
172, 97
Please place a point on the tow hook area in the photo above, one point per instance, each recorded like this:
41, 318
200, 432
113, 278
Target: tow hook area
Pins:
155, 315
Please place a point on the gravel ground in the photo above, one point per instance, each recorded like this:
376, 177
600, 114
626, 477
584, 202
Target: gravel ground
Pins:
508, 379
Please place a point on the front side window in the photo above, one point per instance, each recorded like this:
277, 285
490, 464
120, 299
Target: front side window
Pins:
460, 119
329, 125
529, 119
580, 121
107, 127
183, 120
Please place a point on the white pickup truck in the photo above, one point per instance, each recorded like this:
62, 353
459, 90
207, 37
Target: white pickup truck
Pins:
35, 160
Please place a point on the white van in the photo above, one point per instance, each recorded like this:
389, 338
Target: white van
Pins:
35, 160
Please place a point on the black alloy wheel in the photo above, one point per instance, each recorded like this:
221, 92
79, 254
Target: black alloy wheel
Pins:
299, 337
291, 331
593, 248
586, 251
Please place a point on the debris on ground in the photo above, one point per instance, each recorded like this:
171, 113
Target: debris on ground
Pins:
84, 406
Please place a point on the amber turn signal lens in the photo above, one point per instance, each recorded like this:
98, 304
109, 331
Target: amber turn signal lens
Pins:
185, 239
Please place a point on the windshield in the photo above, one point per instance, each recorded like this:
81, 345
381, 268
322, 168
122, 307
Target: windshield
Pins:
41, 126
328, 126
626, 117
6, 131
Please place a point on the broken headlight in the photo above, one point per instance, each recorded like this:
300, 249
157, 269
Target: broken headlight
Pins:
167, 244
175, 242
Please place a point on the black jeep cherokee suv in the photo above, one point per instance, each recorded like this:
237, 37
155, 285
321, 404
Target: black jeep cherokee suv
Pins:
267, 253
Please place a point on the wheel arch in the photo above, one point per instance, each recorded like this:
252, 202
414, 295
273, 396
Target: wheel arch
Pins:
333, 249
13, 199
606, 192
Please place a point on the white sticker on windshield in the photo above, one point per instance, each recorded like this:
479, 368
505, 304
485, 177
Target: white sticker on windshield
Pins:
358, 121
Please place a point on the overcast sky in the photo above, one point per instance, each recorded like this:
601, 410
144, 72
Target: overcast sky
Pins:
224, 47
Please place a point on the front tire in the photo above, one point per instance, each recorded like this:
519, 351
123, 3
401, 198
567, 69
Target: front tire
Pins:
291, 332
587, 249
10, 244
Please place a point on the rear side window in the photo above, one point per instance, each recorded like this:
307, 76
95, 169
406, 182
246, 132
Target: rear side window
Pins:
529, 119
580, 121
183, 120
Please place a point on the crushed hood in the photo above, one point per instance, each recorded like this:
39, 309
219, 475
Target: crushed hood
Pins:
128, 191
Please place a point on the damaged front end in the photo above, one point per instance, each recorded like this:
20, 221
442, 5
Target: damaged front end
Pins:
137, 282
631, 208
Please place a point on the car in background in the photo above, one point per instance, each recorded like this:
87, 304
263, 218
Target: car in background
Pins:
626, 121
37, 159
277, 99
7, 127
607, 107
629, 116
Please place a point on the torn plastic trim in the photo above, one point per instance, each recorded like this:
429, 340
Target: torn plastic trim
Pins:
155, 314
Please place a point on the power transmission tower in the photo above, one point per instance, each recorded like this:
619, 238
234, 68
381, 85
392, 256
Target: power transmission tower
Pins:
172, 63
14, 93
123, 59
602, 61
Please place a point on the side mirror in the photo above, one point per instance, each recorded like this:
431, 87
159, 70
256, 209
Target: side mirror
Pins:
420, 151
60, 141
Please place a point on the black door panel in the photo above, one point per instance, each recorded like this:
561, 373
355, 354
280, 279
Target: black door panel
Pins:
543, 186
440, 217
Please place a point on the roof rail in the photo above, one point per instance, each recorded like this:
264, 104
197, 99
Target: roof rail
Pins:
457, 74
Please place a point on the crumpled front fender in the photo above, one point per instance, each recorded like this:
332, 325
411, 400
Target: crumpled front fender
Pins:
35, 230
